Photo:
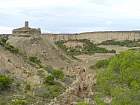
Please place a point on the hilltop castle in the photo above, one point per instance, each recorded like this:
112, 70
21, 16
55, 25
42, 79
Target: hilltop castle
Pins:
26, 31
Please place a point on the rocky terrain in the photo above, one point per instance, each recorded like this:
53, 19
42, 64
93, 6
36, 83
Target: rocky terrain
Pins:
41, 72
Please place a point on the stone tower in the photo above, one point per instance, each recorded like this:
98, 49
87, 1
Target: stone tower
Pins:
26, 31
26, 24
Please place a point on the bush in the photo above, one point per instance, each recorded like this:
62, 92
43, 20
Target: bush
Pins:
101, 64
82, 103
7, 46
5, 82
121, 80
3, 41
35, 60
88, 48
19, 102
54, 75
53, 86
54, 90
58, 74
27, 87
127, 43
11, 48
49, 80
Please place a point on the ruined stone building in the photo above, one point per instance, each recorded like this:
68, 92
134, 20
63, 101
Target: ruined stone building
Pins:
26, 31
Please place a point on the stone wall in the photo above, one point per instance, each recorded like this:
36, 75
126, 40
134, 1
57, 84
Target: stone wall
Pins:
97, 36
26, 32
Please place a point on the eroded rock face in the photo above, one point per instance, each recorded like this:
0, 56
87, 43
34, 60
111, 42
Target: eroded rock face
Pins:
81, 88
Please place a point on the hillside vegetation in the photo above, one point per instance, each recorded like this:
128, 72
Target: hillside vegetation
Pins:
7, 46
87, 48
36, 71
25, 77
126, 43
118, 80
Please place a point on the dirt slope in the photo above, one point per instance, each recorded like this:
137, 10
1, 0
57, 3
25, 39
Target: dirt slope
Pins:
41, 48
16, 66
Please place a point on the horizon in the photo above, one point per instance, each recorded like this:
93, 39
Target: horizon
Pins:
61, 16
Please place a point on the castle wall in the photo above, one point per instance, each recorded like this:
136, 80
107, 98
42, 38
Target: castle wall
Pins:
98, 36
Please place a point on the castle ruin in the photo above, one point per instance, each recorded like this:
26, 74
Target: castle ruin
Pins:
26, 31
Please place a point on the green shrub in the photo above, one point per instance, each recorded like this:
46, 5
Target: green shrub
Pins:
82, 103
5, 82
54, 75
53, 90
27, 87
19, 102
88, 48
99, 101
35, 60
58, 74
101, 64
121, 79
73, 51
49, 80
127, 43
7, 46
3, 41
11, 48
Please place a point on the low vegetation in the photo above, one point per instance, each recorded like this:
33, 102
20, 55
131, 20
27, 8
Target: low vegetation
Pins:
54, 75
7, 46
11, 48
19, 102
100, 64
87, 48
53, 84
58, 74
118, 78
119, 81
53, 81
82, 103
53, 90
35, 61
5, 82
126, 43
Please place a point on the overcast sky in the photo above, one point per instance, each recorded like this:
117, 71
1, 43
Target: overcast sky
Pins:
65, 16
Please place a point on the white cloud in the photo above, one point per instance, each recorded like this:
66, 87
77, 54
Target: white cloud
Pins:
59, 15
5, 30
38, 3
128, 9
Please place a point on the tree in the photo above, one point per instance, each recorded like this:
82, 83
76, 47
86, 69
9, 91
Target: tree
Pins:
121, 79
